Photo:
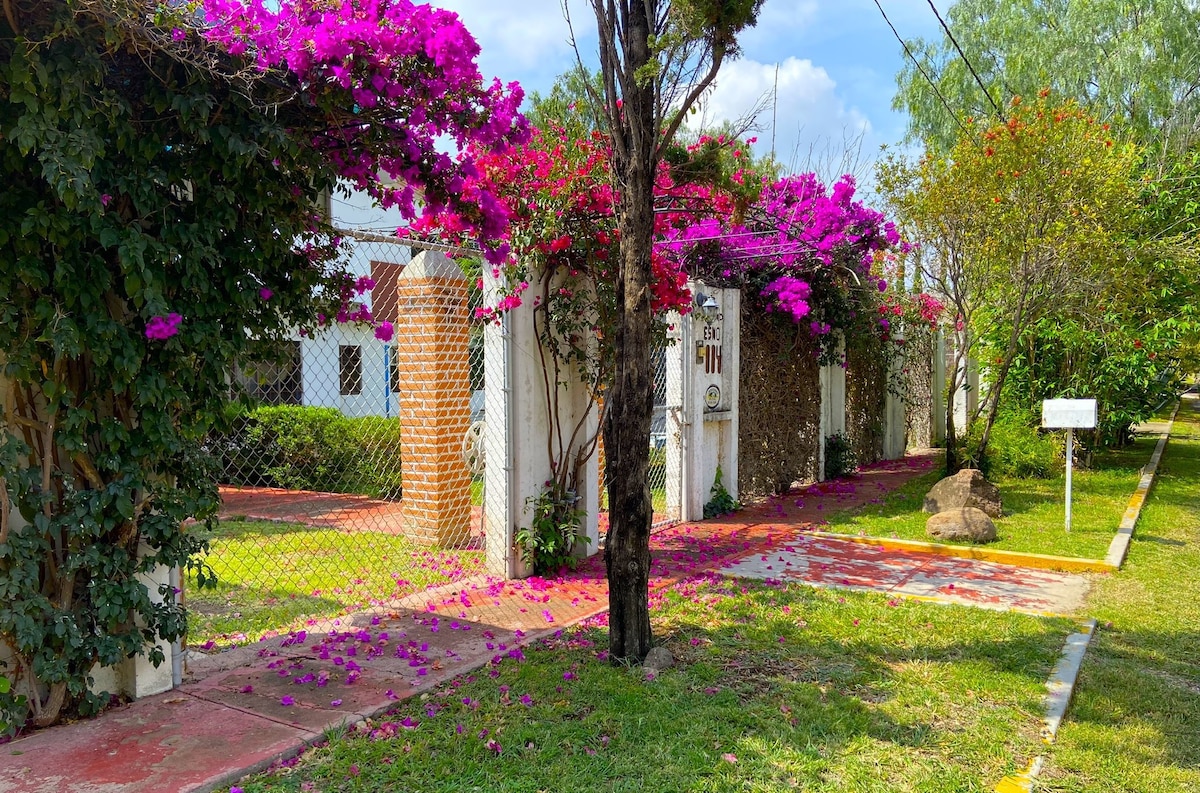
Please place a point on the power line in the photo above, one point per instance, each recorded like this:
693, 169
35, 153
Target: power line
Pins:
921, 69
963, 55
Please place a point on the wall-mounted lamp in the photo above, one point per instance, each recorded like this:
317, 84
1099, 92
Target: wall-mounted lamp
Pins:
707, 307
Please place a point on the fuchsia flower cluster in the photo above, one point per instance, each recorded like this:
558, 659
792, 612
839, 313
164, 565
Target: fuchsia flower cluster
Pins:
795, 230
403, 80
162, 328
789, 296
404, 100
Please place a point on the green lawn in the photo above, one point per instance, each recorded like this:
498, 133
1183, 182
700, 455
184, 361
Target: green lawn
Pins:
774, 689
276, 576
1033, 508
1135, 721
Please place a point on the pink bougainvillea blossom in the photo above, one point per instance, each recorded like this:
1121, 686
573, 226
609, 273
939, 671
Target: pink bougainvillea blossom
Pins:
407, 74
384, 331
160, 328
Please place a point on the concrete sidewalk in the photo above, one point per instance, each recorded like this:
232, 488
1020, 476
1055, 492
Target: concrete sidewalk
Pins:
244, 709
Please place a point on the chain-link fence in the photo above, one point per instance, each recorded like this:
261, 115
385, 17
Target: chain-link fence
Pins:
354, 479
664, 472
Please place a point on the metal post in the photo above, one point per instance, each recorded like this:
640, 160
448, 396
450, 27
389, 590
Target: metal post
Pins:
1070, 455
387, 380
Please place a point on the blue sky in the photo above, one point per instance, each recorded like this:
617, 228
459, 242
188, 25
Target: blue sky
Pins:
837, 64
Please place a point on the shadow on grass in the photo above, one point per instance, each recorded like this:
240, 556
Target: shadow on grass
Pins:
232, 610
1140, 689
904, 500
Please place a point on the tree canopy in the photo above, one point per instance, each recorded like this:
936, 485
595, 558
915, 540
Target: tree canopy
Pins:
1135, 65
1036, 231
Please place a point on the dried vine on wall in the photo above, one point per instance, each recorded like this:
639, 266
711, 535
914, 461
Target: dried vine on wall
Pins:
866, 398
918, 384
780, 406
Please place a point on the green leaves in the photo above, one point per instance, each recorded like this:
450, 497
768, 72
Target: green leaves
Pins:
1132, 64
120, 204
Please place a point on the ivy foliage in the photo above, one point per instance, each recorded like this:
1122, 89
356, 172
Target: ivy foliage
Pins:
137, 185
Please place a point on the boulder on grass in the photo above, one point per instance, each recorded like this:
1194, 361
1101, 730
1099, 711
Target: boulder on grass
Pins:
967, 488
659, 658
965, 523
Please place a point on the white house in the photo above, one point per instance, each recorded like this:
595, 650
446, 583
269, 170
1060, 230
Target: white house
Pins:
343, 365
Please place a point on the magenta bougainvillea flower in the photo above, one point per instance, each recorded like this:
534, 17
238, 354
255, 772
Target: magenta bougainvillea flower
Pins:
160, 328
384, 331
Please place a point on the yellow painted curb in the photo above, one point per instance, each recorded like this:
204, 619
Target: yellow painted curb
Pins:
1040, 561
1118, 549
1022, 781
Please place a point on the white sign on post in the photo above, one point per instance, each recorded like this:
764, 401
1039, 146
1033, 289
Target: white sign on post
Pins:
1069, 414
1061, 414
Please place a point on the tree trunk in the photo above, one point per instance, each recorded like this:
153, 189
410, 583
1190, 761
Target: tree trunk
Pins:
997, 388
631, 403
960, 364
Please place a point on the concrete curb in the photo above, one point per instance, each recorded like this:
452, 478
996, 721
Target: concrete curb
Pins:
1118, 549
1069, 564
1060, 689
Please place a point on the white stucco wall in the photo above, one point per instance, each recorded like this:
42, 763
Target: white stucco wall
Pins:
320, 369
710, 354
518, 423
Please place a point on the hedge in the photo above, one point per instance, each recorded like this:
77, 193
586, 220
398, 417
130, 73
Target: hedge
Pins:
312, 448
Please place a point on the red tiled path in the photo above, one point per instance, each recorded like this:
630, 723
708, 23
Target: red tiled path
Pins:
314, 508
230, 719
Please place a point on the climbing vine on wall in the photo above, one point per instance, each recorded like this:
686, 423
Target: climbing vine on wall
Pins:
867, 362
160, 226
780, 406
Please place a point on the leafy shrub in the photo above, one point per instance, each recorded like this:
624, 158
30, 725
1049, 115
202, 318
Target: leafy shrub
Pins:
1016, 448
840, 459
13, 709
722, 502
548, 543
312, 448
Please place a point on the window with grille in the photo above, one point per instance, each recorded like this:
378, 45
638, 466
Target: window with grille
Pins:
350, 374
394, 369
276, 380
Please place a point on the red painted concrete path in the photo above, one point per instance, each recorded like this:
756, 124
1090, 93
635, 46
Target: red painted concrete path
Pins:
231, 717
828, 562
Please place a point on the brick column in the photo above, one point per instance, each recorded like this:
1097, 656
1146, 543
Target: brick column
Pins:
435, 395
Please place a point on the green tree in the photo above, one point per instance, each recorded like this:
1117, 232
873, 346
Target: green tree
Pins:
1034, 218
569, 100
656, 59
1134, 64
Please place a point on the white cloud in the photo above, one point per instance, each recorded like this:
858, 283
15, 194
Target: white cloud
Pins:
520, 39
779, 20
809, 111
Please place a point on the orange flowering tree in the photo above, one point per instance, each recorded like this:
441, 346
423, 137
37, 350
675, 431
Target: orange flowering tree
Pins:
1021, 220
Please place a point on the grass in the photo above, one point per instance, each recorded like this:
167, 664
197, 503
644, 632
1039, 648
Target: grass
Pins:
276, 576
773, 689
1033, 508
1134, 722
658, 501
